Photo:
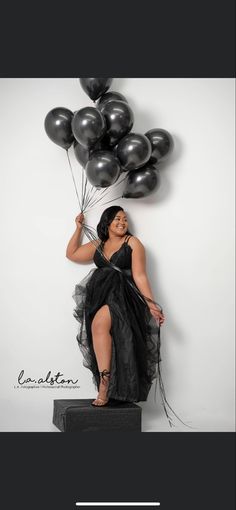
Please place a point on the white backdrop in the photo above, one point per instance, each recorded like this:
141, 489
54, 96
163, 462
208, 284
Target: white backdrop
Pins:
187, 227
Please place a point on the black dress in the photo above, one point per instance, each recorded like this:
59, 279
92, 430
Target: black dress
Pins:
134, 331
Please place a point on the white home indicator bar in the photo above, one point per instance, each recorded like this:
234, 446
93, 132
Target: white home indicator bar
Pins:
115, 503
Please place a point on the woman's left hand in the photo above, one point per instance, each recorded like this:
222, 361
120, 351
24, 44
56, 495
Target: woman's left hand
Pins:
157, 314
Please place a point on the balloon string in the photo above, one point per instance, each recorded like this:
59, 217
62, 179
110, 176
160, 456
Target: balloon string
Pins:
93, 238
105, 192
85, 193
92, 199
116, 198
101, 192
93, 191
165, 402
116, 184
85, 187
82, 188
73, 179
95, 201
88, 194
88, 199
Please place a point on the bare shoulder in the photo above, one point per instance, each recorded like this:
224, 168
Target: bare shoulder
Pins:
138, 256
136, 244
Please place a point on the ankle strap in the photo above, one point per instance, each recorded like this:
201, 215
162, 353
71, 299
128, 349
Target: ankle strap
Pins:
104, 372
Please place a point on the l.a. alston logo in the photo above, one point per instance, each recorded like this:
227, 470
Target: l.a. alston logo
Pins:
49, 379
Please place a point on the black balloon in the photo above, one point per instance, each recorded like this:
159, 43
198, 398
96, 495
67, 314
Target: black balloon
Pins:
88, 126
83, 154
102, 169
141, 183
133, 151
119, 120
110, 96
162, 144
95, 87
57, 125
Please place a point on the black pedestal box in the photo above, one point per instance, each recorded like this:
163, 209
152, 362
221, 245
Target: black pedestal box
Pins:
81, 416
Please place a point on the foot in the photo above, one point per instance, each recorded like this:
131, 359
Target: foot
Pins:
102, 399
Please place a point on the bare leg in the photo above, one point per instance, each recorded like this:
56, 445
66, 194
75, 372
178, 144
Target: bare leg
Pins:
102, 345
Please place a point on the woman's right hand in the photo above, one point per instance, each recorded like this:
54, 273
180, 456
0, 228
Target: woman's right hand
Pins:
157, 314
79, 220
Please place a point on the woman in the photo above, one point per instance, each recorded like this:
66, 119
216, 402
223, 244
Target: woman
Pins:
119, 320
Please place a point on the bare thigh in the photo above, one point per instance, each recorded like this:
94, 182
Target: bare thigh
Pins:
101, 320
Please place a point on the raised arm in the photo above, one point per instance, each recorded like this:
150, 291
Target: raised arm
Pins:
140, 276
75, 251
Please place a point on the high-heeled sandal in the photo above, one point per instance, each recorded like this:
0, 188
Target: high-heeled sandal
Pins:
104, 402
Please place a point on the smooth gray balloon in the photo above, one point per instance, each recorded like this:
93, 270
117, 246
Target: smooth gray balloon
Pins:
88, 126
133, 151
119, 120
141, 183
110, 96
57, 125
162, 144
95, 87
102, 169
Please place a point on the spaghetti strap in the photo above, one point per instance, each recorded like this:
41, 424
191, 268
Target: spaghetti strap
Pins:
127, 239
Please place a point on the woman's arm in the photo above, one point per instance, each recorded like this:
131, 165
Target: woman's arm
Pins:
74, 251
140, 276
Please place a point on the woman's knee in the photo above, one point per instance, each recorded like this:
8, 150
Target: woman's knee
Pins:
102, 320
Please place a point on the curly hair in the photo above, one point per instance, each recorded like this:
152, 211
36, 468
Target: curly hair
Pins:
107, 217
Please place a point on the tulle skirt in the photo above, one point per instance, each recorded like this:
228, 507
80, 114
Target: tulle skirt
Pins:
134, 331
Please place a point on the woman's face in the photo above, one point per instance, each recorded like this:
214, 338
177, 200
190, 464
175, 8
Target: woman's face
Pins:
119, 224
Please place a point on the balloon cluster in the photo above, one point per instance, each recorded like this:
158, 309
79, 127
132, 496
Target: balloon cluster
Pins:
104, 144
